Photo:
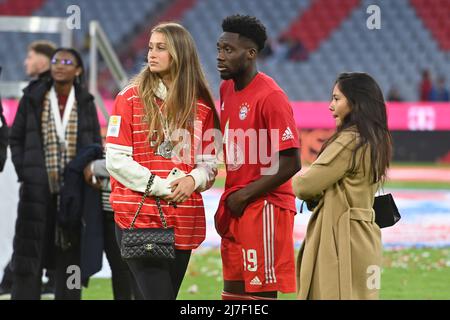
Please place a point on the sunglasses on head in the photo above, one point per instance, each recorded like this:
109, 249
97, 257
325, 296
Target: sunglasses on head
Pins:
64, 62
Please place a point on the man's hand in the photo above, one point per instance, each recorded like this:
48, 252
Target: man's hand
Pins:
237, 202
288, 160
181, 189
90, 179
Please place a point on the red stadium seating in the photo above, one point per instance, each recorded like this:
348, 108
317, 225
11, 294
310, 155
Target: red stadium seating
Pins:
173, 12
436, 17
318, 22
20, 7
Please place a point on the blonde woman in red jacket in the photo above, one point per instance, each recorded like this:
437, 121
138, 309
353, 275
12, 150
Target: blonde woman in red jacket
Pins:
167, 102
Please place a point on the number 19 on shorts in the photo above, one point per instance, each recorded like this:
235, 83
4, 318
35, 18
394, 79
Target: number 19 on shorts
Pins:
250, 260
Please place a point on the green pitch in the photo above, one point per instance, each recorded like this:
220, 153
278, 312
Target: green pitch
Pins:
407, 274
418, 274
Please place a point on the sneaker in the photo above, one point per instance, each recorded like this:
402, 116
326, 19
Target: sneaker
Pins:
5, 293
48, 291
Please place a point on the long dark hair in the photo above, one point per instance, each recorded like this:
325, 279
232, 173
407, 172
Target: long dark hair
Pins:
79, 80
368, 115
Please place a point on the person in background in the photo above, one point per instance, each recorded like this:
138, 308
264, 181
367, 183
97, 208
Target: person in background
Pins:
37, 67
342, 246
297, 51
439, 93
37, 61
425, 86
3, 137
54, 120
394, 95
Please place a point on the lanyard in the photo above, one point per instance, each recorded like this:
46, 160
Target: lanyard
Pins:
165, 125
61, 125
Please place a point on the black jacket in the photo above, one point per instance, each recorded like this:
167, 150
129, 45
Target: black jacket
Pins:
4, 131
3, 138
28, 158
43, 77
81, 209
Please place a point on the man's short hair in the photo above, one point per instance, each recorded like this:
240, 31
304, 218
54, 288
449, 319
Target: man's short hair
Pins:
47, 48
247, 26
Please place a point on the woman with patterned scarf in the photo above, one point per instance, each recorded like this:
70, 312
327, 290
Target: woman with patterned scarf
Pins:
55, 119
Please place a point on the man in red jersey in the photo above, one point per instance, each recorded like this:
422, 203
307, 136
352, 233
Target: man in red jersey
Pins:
256, 213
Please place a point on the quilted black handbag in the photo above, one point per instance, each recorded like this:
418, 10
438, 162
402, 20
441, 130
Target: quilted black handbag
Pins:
386, 212
148, 243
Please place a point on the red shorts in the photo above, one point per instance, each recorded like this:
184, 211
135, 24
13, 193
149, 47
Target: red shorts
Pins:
262, 253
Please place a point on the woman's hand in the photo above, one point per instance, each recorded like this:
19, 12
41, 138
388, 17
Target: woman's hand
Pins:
181, 189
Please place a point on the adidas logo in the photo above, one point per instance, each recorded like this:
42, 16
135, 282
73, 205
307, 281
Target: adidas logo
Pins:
287, 134
256, 282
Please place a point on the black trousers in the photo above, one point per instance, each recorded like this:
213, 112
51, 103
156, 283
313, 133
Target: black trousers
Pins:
123, 284
158, 280
64, 259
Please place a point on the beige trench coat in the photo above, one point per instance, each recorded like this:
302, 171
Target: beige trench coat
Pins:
340, 257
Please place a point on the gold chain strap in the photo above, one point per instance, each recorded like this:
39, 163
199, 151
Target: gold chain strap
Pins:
161, 214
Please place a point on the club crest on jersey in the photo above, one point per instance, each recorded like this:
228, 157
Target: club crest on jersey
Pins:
243, 111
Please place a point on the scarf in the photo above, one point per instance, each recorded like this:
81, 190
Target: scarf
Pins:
161, 91
57, 154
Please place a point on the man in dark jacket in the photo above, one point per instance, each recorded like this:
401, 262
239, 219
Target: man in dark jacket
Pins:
3, 138
37, 67
5, 285
3, 135
35, 226
37, 62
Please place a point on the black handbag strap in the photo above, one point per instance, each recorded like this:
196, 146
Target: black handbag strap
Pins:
158, 203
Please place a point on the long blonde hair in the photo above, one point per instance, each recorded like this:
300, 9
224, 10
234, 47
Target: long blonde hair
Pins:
188, 84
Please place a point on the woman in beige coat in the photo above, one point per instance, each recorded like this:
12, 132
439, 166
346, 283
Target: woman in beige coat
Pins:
341, 255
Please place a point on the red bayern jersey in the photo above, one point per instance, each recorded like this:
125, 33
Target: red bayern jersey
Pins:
257, 122
188, 218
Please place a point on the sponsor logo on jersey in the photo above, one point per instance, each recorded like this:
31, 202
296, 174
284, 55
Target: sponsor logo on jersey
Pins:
256, 282
114, 126
287, 135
